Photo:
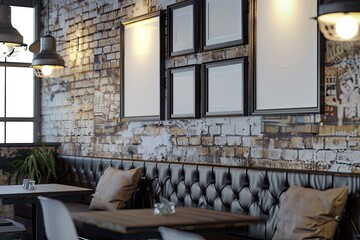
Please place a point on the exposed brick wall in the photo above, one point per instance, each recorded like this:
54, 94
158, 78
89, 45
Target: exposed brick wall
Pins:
6, 211
81, 109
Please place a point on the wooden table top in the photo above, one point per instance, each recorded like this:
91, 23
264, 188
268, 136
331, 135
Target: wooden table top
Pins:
17, 191
129, 221
16, 194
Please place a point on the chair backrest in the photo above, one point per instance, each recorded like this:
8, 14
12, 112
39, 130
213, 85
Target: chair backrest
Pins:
57, 220
173, 234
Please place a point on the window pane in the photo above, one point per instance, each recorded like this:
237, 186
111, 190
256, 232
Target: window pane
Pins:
22, 18
2, 92
19, 92
2, 59
2, 135
19, 132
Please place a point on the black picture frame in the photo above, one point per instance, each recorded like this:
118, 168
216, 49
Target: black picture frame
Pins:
225, 88
295, 96
180, 14
142, 88
228, 23
183, 89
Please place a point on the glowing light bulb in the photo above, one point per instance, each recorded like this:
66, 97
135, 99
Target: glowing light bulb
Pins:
346, 27
3, 49
46, 70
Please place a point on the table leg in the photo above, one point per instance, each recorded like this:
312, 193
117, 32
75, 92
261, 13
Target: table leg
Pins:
37, 222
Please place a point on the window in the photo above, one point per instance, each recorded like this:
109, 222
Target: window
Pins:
19, 106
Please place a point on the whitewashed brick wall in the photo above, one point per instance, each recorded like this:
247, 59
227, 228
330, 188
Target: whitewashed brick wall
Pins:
81, 109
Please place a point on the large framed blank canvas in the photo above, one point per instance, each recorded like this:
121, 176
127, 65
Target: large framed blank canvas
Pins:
224, 88
143, 75
184, 92
286, 57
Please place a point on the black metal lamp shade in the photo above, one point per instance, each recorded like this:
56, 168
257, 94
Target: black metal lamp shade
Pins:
8, 34
48, 63
340, 20
48, 54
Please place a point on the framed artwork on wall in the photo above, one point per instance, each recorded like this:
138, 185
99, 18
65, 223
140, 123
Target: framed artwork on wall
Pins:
224, 88
183, 28
143, 64
224, 23
184, 92
286, 57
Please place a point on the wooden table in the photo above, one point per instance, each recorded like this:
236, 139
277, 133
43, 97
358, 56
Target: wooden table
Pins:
129, 223
15, 194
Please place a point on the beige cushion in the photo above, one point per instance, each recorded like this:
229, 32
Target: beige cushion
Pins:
115, 188
309, 213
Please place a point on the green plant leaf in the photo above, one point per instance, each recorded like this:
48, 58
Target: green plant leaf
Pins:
39, 165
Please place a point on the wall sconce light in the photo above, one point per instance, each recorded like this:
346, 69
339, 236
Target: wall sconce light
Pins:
10, 38
340, 20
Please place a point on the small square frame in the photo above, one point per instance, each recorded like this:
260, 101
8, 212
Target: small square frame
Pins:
183, 28
184, 92
225, 23
225, 88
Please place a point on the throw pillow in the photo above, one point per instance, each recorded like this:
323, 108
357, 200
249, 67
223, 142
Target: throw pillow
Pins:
310, 213
115, 188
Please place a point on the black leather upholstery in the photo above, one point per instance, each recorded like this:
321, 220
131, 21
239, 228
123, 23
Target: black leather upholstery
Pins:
251, 191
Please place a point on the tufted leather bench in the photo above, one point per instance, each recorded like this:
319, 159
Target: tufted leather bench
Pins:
250, 191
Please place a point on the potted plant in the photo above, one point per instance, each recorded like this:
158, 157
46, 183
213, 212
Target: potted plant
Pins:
39, 165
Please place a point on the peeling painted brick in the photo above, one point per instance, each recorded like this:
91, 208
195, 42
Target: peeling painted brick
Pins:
177, 131
242, 152
335, 143
204, 151
314, 143
290, 154
234, 141
242, 130
227, 129
195, 141
220, 141
135, 140
296, 142
324, 156
256, 152
214, 130
273, 153
182, 141
307, 155
228, 152
215, 151
246, 141
207, 141
281, 143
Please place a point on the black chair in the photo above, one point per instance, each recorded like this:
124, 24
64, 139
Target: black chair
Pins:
10, 229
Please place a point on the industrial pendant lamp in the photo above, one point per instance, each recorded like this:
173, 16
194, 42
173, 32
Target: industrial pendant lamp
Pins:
48, 63
340, 20
9, 36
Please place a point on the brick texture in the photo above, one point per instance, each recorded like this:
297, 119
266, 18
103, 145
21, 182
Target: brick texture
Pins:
81, 109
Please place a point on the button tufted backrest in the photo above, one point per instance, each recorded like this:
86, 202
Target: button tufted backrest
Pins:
250, 191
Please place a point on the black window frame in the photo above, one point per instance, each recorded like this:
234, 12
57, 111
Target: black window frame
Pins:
36, 119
